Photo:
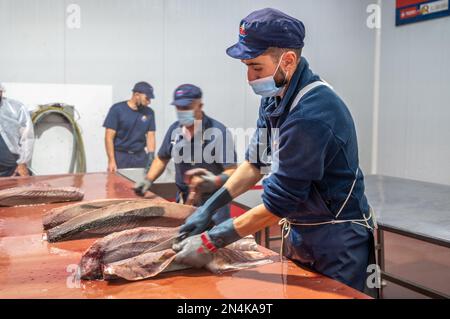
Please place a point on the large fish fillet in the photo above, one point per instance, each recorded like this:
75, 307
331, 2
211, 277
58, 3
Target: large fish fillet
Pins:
148, 265
32, 195
60, 215
140, 267
121, 245
118, 217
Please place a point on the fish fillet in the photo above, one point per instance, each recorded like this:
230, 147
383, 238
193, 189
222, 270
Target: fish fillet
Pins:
60, 215
118, 217
121, 245
140, 267
148, 265
32, 195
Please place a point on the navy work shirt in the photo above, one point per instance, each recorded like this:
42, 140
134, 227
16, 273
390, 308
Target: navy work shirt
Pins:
217, 151
317, 153
131, 126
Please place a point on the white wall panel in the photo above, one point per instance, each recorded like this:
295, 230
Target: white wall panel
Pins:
170, 42
415, 99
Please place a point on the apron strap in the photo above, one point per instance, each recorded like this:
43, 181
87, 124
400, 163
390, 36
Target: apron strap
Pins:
306, 90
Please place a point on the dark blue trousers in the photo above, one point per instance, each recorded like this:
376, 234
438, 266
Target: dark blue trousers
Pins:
127, 160
8, 160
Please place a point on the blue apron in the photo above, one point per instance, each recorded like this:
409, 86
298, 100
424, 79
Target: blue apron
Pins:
340, 248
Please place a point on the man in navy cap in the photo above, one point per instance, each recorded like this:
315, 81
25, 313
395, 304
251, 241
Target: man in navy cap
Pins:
202, 149
130, 129
315, 188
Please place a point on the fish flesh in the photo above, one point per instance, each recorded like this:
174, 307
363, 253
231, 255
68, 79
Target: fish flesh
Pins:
140, 267
118, 217
121, 245
148, 265
32, 195
60, 215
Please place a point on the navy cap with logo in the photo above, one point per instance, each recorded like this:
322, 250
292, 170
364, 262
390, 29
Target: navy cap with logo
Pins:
145, 88
185, 94
267, 28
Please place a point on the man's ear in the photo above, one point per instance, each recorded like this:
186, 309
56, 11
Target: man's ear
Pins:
290, 60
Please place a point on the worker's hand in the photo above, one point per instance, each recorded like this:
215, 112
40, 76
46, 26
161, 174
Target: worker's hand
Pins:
198, 222
22, 170
150, 158
202, 180
142, 187
112, 167
196, 251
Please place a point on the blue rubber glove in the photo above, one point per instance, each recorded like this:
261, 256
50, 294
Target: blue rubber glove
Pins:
201, 219
224, 234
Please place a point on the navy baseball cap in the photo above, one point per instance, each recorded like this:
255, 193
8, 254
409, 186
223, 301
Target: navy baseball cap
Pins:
185, 94
267, 28
145, 88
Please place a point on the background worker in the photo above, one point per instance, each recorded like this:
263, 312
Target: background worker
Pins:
16, 137
193, 134
130, 131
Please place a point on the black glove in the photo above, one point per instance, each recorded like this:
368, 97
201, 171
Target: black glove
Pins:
142, 187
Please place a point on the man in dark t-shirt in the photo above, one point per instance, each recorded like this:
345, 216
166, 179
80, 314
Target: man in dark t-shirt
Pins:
130, 130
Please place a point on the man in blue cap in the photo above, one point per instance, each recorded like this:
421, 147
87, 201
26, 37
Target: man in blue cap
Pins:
130, 130
315, 188
202, 149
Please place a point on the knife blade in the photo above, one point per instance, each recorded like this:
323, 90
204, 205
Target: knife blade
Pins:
166, 244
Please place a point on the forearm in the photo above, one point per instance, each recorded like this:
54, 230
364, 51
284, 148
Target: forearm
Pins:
230, 170
110, 150
109, 146
151, 142
254, 220
244, 178
157, 168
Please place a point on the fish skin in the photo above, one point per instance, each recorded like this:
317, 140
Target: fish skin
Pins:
119, 217
121, 245
60, 215
33, 195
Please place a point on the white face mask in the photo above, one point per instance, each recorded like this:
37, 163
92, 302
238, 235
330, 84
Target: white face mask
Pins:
267, 87
186, 118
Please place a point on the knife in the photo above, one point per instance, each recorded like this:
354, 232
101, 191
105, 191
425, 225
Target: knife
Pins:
166, 244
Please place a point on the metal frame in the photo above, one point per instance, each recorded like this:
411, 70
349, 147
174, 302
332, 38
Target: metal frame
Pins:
397, 279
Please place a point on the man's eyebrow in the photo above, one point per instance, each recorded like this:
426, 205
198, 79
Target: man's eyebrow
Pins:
251, 63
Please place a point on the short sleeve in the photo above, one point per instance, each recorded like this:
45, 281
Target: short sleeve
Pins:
152, 124
165, 151
112, 119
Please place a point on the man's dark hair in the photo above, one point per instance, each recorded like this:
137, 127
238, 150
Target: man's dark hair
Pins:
276, 53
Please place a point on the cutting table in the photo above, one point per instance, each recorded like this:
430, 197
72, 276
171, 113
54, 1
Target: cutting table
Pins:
410, 208
33, 268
